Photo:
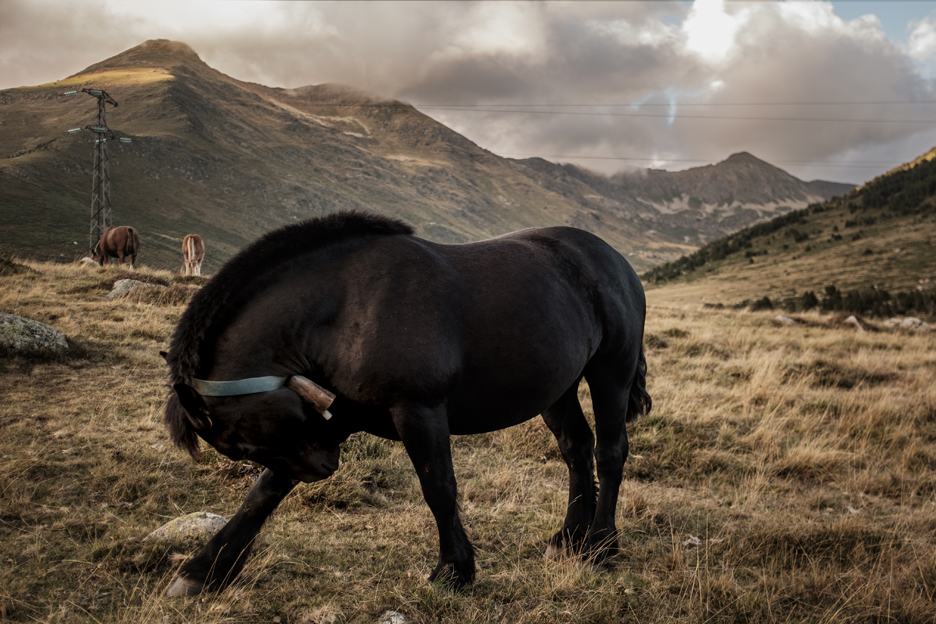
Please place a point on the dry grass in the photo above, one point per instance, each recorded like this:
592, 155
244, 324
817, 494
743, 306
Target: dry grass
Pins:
903, 259
786, 474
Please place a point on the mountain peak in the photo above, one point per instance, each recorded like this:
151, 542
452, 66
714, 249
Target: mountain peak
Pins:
166, 47
155, 52
744, 158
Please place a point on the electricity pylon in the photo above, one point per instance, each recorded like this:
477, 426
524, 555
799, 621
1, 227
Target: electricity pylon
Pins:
101, 207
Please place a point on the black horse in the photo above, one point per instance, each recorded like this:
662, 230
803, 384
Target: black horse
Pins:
351, 315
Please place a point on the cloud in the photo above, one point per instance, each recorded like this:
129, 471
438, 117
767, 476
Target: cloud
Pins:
581, 70
922, 42
45, 40
710, 31
779, 53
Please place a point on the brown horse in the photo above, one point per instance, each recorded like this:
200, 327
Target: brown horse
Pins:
118, 242
193, 252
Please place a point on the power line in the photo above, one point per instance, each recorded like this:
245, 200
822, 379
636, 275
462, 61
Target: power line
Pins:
779, 1
699, 160
680, 104
680, 117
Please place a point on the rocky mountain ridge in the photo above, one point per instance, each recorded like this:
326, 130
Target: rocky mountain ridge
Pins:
230, 160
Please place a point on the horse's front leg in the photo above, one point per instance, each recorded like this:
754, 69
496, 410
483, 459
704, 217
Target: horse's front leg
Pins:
221, 560
425, 435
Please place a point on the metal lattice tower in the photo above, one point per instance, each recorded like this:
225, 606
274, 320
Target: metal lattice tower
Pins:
101, 207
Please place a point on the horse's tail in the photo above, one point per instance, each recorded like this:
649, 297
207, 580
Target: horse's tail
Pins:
639, 402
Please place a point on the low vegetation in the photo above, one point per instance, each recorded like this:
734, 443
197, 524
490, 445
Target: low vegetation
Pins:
786, 474
873, 302
873, 245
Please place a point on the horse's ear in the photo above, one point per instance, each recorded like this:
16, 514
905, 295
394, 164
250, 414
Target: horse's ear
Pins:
198, 413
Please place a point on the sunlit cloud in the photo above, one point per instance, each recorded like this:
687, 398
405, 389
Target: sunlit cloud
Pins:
921, 45
710, 31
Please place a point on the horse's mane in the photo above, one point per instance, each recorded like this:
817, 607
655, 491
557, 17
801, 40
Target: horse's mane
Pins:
218, 301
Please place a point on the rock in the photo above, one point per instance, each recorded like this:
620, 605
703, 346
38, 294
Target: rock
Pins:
87, 260
692, 542
187, 532
321, 615
914, 324
786, 320
24, 335
852, 320
391, 617
910, 323
126, 286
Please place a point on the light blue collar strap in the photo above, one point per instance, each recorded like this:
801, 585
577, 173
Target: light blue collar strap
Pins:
238, 386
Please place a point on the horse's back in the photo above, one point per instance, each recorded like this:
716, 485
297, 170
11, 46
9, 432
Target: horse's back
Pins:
604, 276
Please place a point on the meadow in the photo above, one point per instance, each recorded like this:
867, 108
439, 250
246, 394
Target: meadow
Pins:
786, 474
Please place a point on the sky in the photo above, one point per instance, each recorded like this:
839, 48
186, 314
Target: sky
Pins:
838, 90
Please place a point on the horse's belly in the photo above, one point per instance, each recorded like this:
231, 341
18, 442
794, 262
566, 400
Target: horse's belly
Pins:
484, 422
493, 402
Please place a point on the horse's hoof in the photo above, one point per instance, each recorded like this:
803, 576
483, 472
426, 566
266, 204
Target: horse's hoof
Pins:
553, 552
450, 577
184, 587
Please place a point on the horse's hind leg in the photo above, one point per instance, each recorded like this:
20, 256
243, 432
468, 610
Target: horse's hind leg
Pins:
610, 390
221, 560
576, 443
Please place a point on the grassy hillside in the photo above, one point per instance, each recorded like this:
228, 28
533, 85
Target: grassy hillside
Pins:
785, 474
880, 237
231, 160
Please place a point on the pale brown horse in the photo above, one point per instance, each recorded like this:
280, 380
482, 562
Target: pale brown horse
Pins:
119, 242
193, 252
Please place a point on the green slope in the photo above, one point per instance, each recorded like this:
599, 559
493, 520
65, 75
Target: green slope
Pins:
880, 237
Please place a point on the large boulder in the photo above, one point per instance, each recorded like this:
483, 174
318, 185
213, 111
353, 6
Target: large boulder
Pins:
23, 335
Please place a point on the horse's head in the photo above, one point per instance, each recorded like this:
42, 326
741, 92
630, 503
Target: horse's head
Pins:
279, 428
96, 255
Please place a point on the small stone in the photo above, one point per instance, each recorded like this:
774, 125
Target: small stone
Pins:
910, 323
187, 531
391, 617
852, 320
126, 286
